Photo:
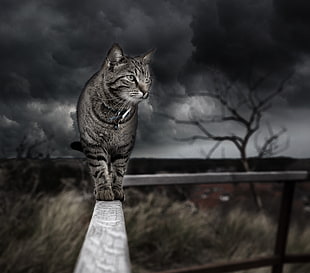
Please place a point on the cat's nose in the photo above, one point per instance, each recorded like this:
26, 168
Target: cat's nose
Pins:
143, 87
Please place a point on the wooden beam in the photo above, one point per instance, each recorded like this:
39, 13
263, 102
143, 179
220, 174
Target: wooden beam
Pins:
105, 248
297, 258
212, 178
228, 266
233, 266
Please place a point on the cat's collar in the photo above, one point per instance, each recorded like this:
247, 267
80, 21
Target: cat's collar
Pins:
119, 115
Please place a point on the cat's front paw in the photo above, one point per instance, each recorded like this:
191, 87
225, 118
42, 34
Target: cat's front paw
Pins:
118, 194
104, 194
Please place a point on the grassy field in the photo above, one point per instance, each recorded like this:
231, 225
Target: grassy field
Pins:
43, 233
45, 210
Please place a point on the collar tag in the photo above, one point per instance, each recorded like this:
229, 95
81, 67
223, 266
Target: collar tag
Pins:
119, 117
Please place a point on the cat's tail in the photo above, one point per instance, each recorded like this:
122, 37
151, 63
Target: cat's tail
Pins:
76, 145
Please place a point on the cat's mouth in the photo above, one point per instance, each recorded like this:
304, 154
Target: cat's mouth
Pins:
138, 95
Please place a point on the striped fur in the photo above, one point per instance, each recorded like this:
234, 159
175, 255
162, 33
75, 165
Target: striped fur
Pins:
107, 118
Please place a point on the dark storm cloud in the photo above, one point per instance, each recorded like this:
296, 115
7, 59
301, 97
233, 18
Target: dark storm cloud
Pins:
292, 23
240, 37
50, 48
48, 42
236, 35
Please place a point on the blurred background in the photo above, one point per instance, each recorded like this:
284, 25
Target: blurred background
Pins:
230, 93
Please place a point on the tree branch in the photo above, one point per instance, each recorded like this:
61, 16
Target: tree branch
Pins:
211, 151
276, 92
208, 135
270, 145
191, 138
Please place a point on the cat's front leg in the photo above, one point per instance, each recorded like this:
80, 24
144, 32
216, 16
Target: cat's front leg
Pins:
119, 169
117, 189
100, 174
103, 190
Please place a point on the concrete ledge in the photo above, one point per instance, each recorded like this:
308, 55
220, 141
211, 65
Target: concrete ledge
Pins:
105, 248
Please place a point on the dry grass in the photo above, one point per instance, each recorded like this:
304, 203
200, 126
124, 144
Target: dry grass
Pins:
164, 235
42, 234
45, 233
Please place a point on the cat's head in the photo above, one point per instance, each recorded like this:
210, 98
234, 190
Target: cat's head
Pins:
126, 77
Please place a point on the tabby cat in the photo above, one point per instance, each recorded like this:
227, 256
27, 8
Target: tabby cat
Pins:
107, 118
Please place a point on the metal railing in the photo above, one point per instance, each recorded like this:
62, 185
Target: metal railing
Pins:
105, 247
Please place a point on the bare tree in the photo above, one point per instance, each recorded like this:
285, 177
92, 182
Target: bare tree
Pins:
244, 105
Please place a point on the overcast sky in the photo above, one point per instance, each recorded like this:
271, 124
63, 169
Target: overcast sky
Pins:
50, 48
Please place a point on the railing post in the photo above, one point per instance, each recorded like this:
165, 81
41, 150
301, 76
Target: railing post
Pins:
283, 225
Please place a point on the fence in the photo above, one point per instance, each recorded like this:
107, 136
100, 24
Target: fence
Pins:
105, 246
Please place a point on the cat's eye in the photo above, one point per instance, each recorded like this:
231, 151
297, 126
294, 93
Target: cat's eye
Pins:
131, 78
147, 80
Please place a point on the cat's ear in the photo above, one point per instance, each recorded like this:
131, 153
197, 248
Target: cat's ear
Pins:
147, 57
115, 54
